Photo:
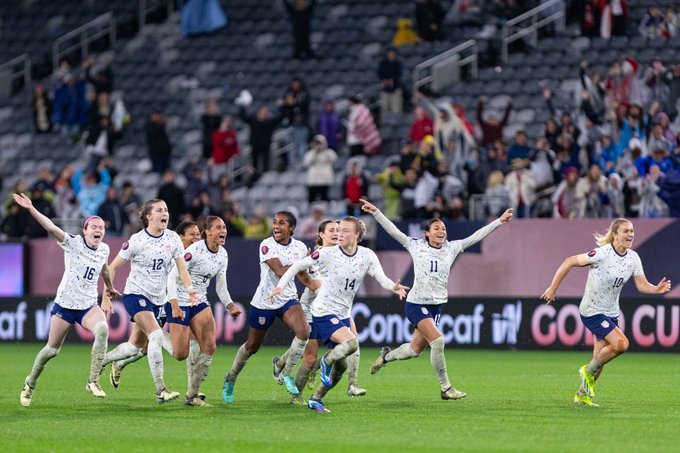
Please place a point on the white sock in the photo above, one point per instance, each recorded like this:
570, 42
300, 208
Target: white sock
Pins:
125, 362
297, 348
194, 350
353, 367
438, 362
167, 342
200, 373
341, 351
240, 361
120, 352
45, 355
403, 352
155, 355
101, 342
282, 360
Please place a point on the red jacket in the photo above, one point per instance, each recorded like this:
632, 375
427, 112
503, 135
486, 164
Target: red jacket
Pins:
224, 146
421, 128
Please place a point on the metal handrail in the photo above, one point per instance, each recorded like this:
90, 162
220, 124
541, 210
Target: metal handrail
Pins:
96, 28
25, 70
531, 29
451, 54
145, 9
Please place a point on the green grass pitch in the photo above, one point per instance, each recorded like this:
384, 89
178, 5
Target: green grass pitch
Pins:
517, 401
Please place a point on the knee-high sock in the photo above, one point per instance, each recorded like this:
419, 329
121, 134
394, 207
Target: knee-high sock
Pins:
438, 362
297, 348
167, 342
200, 373
155, 356
194, 351
403, 352
302, 377
281, 363
339, 368
120, 352
45, 355
101, 342
125, 362
353, 367
342, 351
240, 361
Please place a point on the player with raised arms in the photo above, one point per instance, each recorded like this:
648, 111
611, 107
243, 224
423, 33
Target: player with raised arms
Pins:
611, 265
432, 261
85, 259
188, 233
151, 253
277, 253
347, 264
205, 260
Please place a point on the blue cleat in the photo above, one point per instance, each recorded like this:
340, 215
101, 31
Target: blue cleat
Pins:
228, 392
317, 405
325, 372
290, 384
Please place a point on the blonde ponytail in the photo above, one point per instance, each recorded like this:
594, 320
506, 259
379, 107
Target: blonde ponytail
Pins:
608, 236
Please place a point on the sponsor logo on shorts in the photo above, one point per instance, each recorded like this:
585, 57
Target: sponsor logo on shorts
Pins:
605, 324
335, 321
142, 303
592, 253
125, 245
262, 320
424, 310
187, 256
265, 249
315, 255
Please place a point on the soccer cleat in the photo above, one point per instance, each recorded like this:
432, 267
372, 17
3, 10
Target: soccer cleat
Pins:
276, 373
290, 384
587, 381
95, 389
297, 400
195, 401
26, 395
312, 379
584, 400
114, 376
228, 392
166, 395
325, 372
355, 390
317, 405
201, 395
380, 361
452, 394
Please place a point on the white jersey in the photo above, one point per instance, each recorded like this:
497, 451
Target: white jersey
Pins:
342, 281
432, 265
151, 259
308, 296
202, 264
82, 265
287, 255
608, 272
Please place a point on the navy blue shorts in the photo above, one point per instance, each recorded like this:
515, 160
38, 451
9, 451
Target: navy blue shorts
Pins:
189, 312
326, 326
263, 319
416, 313
69, 315
313, 332
600, 325
134, 303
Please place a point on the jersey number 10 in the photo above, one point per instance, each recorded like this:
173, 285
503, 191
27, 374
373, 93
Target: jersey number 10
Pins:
618, 282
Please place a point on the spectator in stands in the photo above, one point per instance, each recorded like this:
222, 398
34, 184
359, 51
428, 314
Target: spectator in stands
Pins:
355, 186
614, 17
91, 195
542, 163
69, 109
196, 181
450, 131
319, 162
295, 108
488, 164
408, 156
659, 157
429, 17
496, 195
329, 125
654, 80
19, 187
615, 207
309, 227
425, 189
362, 134
492, 129
663, 120
425, 159
522, 188
32, 227
158, 143
236, 223
14, 223
651, 205
652, 25
589, 18
220, 194
422, 125
408, 194
224, 147
100, 75
593, 95
173, 196
389, 74
391, 179
201, 16
591, 192
211, 120
619, 81
657, 140
99, 107
608, 154
100, 142
262, 126
450, 185
41, 106
114, 215
259, 225
672, 79
202, 206
565, 200
405, 34
552, 132
300, 12
520, 147
132, 203
45, 182
65, 201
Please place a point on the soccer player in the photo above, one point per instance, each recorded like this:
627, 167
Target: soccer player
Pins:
205, 260
277, 253
188, 233
611, 264
151, 253
347, 264
432, 261
85, 259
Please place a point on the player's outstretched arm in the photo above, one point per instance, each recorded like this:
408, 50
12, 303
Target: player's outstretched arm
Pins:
486, 230
384, 222
26, 203
573, 261
645, 287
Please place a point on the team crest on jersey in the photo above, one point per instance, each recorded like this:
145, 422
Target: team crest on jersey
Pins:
592, 253
265, 249
335, 321
605, 324
424, 310
315, 255
261, 320
125, 245
142, 303
187, 257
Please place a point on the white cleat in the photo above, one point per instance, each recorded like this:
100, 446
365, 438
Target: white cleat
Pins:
26, 395
196, 401
452, 394
166, 395
355, 390
95, 389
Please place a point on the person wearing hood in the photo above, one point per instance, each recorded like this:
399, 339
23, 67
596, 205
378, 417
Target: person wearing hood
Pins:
422, 125
319, 163
447, 124
405, 33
